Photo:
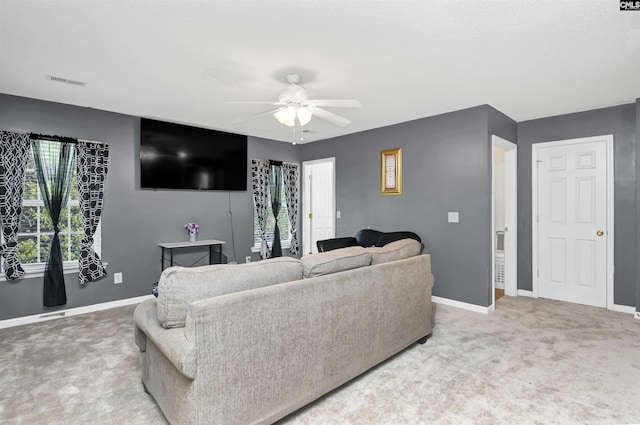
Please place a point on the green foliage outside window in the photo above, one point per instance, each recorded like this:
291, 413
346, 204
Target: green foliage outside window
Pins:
36, 228
283, 222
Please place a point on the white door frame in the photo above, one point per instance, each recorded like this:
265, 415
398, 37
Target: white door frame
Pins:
306, 201
511, 218
610, 209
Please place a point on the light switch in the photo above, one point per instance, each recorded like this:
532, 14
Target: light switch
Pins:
454, 217
338, 214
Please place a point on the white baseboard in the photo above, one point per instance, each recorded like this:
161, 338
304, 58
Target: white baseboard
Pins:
462, 305
25, 320
616, 307
623, 309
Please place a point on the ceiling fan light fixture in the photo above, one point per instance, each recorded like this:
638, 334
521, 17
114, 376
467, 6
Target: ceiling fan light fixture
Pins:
286, 116
304, 116
295, 109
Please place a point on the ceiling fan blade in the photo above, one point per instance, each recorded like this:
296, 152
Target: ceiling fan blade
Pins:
250, 117
256, 103
330, 116
337, 103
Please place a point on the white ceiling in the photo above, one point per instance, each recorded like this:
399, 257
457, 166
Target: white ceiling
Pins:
182, 60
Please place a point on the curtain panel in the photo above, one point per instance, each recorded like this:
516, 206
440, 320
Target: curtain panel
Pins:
275, 192
14, 152
291, 175
260, 170
54, 168
92, 164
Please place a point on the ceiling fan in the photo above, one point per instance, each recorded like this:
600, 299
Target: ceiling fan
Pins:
294, 108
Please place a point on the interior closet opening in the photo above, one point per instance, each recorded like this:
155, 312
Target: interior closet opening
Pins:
498, 221
504, 219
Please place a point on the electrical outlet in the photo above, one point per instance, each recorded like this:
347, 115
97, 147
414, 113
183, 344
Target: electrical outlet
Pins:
247, 259
117, 278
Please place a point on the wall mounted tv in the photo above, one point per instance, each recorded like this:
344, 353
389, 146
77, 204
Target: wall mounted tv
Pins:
174, 156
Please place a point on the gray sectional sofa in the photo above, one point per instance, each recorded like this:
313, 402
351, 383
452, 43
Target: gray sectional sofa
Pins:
251, 343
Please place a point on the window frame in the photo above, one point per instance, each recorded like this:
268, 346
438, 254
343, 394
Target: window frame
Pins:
69, 266
284, 243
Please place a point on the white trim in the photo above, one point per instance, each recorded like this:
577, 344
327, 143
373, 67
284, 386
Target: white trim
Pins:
307, 236
286, 244
33, 271
623, 309
608, 138
616, 307
43, 317
462, 305
610, 223
511, 258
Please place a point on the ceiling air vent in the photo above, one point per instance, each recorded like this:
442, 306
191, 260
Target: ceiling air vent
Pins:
66, 81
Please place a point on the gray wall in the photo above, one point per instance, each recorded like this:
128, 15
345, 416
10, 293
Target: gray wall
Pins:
445, 168
619, 121
134, 220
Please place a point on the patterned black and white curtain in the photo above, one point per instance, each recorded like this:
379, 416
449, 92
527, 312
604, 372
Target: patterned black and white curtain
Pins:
260, 169
275, 194
14, 151
291, 173
92, 165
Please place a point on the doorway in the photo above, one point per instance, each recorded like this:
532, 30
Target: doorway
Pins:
573, 220
318, 203
504, 199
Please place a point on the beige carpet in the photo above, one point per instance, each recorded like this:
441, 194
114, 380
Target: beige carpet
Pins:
533, 361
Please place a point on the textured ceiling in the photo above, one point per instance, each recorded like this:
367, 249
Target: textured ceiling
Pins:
182, 60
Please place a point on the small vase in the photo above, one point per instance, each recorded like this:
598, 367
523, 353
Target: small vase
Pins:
192, 237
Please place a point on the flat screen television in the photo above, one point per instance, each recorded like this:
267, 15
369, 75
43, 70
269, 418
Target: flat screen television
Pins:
175, 156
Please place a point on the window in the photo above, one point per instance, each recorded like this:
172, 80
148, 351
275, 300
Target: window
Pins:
36, 229
283, 224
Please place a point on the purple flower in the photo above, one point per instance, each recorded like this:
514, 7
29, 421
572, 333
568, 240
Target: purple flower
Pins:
191, 227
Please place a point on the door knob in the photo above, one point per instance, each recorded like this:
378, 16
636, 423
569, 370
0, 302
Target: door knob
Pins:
599, 233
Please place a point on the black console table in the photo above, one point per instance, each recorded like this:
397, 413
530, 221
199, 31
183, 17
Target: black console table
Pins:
213, 244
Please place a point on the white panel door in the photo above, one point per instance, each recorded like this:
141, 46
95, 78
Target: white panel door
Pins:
572, 222
319, 208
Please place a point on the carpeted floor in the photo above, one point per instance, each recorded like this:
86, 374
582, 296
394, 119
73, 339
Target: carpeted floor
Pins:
531, 362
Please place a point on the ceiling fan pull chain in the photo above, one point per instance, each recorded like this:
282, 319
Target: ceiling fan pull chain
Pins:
294, 132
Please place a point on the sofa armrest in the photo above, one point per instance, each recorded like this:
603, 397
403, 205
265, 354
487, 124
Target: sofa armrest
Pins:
176, 344
335, 243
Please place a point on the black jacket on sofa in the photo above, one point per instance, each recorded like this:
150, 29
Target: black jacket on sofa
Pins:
365, 238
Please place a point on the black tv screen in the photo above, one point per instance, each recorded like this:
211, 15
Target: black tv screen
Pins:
175, 156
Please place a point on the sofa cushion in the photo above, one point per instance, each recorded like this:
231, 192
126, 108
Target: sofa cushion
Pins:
335, 261
404, 248
180, 286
